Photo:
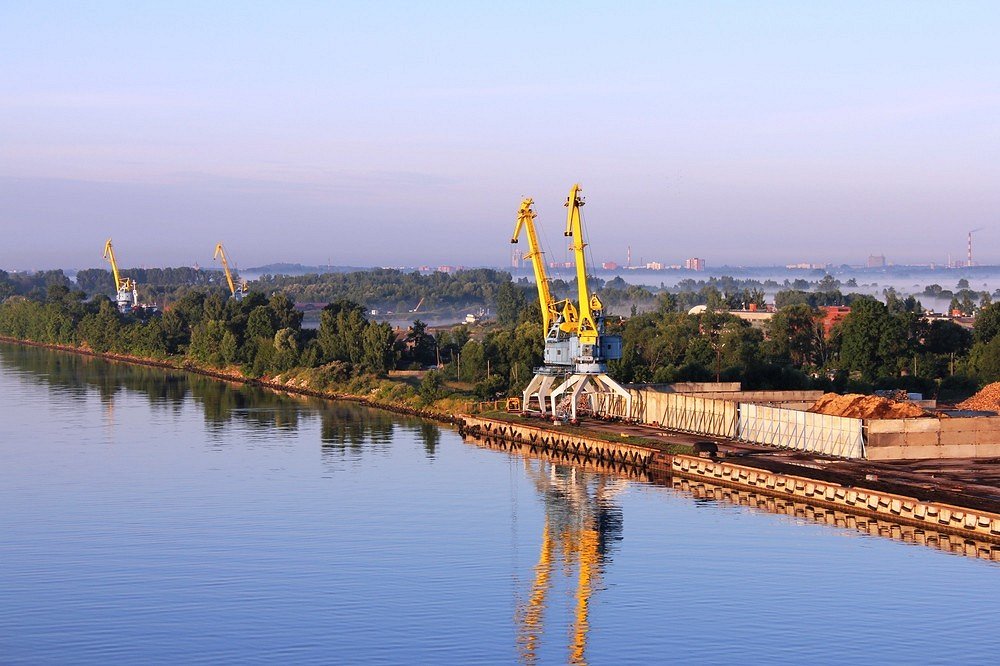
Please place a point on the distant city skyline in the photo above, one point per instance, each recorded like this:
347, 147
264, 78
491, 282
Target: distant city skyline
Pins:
398, 134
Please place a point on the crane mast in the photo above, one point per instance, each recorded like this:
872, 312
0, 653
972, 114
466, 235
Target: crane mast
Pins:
589, 306
126, 293
237, 291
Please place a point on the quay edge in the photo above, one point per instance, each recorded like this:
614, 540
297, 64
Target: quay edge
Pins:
574, 447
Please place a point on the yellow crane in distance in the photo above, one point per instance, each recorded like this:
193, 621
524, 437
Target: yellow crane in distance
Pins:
552, 310
126, 294
239, 291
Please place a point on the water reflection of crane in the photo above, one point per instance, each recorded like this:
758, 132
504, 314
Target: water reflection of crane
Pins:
581, 524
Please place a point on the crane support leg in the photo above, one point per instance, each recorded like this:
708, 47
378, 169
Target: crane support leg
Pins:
594, 385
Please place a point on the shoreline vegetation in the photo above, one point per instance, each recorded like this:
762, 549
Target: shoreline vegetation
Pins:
233, 375
351, 354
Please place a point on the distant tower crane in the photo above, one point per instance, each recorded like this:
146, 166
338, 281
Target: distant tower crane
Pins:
237, 291
126, 292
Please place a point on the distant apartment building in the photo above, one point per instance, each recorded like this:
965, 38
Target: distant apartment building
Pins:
876, 261
694, 264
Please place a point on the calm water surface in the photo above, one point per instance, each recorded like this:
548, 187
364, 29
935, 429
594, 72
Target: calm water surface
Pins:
148, 517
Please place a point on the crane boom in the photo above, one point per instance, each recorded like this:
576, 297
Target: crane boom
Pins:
221, 252
526, 220
109, 255
586, 326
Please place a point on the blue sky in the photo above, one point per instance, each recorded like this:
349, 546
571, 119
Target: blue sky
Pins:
383, 133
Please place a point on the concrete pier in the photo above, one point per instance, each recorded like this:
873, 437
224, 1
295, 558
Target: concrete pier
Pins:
571, 447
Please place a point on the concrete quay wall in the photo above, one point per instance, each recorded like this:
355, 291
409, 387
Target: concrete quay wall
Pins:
944, 518
574, 448
567, 445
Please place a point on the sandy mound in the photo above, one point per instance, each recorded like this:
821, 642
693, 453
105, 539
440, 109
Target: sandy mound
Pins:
987, 400
860, 406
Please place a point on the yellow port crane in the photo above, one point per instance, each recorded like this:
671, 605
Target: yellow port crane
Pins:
238, 291
552, 310
126, 293
559, 319
591, 347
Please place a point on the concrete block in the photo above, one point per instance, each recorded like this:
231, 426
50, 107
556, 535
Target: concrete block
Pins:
918, 452
884, 425
958, 424
921, 425
876, 440
987, 450
986, 422
922, 438
958, 451
963, 437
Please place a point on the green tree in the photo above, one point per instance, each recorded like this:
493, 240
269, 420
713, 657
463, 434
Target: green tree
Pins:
379, 350
511, 302
874, 342
987, 324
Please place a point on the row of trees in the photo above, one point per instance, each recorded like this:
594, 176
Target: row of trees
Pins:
890, 345
261, 335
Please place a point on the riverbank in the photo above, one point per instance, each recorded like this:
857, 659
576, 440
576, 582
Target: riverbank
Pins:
292, 384
888, 491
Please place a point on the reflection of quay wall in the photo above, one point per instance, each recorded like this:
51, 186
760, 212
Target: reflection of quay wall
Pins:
562, 456
569, 447
776, 418
944, 518
924, 536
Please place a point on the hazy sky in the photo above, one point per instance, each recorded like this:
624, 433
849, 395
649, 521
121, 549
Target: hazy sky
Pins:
381, 133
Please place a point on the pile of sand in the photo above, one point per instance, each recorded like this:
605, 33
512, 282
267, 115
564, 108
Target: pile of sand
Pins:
860, 406
987, 400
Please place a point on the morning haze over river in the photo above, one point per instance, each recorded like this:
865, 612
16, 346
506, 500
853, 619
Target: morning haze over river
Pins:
158, 517
323, 337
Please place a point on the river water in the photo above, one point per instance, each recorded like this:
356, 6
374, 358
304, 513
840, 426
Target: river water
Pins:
153, 517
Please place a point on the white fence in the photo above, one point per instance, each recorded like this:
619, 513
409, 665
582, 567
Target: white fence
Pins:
688, 413
749, 422
787, 428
